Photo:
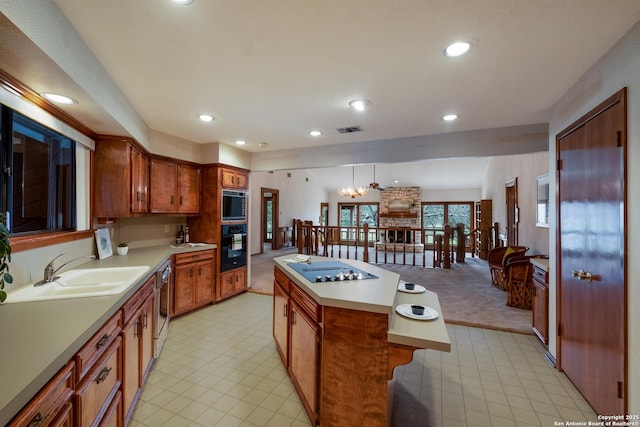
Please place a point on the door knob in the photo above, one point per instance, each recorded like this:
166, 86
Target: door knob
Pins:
582, 275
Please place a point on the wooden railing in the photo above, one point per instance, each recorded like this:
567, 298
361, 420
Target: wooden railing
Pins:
385, 245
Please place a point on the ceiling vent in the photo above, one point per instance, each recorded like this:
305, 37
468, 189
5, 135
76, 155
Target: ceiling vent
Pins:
350, 129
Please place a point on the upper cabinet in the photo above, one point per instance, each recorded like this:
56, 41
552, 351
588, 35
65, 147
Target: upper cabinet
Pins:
175, 187
232, 178
121, 178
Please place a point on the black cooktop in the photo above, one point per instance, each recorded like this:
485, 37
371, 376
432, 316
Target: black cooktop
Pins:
331, 271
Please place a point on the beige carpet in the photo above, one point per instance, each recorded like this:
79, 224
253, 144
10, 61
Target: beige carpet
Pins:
465, 292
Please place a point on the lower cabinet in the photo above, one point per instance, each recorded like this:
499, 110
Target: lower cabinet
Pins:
281, 320
97, 390
137, 344
194, 281
304, 361
297, 333
52, 406
232, 282
541, 304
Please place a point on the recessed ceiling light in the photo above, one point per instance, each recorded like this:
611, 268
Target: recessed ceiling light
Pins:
449, 117
263, 145
205, 117
315, 133
182, 1
240, 142
457, 49
395, 181
360, 104
59, 99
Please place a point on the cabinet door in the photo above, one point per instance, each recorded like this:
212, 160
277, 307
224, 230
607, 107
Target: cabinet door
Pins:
241, 180
540, 311
184, 288
139, 181
204, 283
189, 189
131, 362
281, 322
147, 336
227, 281
228, 178
240, 280
163, 196
304, 357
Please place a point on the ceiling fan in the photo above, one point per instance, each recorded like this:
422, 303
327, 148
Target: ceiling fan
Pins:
374, 184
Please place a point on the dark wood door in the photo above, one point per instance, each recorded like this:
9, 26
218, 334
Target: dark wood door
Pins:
511, 197
591, 268
189, 189
163, 186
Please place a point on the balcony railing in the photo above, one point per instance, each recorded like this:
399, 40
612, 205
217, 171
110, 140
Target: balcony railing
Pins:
426, 247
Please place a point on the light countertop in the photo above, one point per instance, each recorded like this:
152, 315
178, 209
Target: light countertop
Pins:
542, 263
39, 338
379, 295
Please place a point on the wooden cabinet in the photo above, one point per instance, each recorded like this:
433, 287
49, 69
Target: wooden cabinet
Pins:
121, 175
304, 358
297, 333
483, 218
147, 337
96, 391
175, 187
281, 320
232, 282
52, 406
194, 281
541, 303
232, 178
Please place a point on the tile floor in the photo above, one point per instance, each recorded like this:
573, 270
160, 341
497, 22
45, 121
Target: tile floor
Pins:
219, 367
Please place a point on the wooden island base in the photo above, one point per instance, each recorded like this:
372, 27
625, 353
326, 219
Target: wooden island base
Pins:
339, 359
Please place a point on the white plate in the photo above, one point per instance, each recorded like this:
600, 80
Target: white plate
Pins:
405, 310
417, 289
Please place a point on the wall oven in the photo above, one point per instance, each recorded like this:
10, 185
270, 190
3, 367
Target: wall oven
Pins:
234, 247
161, 306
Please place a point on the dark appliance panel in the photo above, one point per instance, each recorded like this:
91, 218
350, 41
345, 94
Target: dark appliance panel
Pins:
234, 247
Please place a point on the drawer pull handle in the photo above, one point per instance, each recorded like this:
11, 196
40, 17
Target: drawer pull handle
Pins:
102, 341
103, 375
38, 420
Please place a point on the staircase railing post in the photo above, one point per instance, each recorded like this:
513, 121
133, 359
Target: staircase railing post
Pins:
447, 247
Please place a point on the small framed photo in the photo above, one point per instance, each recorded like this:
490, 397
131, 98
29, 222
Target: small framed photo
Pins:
104, 243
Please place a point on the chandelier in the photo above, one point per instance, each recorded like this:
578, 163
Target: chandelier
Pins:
352, 191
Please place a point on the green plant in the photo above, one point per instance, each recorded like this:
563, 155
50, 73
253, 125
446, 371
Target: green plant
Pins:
5, 258
122, 245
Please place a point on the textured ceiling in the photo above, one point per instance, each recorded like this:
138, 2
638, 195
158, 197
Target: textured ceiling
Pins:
272, 70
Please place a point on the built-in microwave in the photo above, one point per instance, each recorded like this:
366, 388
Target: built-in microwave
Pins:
234, 205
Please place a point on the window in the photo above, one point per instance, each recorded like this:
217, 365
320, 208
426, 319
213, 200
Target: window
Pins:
39, 179
436, 214
356, 215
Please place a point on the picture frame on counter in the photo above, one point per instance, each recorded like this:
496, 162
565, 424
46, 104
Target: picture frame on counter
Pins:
103, 243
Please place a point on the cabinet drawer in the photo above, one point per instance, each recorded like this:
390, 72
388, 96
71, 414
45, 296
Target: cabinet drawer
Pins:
282, 280
49, 402
540, 275
308, 304
96, 346
98, 388
194, 256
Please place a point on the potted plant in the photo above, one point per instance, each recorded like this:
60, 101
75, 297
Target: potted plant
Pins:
5, 258
122, 249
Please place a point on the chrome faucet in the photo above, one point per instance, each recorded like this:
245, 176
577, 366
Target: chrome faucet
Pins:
50, 272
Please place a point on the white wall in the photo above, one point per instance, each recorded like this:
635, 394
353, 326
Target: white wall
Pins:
525, 168
299, 199
618, 68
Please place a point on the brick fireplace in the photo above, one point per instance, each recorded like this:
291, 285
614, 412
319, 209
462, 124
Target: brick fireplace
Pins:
400, 209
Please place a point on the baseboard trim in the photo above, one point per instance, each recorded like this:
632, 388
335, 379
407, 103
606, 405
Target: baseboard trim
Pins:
550, 359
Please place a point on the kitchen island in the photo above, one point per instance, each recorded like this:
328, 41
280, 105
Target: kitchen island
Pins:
341, 339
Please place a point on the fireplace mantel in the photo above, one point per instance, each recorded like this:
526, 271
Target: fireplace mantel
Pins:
398, 215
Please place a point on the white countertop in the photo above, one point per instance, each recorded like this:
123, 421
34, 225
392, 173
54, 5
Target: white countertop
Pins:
542, 263
379, 295
39, 338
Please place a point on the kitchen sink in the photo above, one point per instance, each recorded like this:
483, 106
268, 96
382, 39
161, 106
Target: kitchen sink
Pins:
80, 283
